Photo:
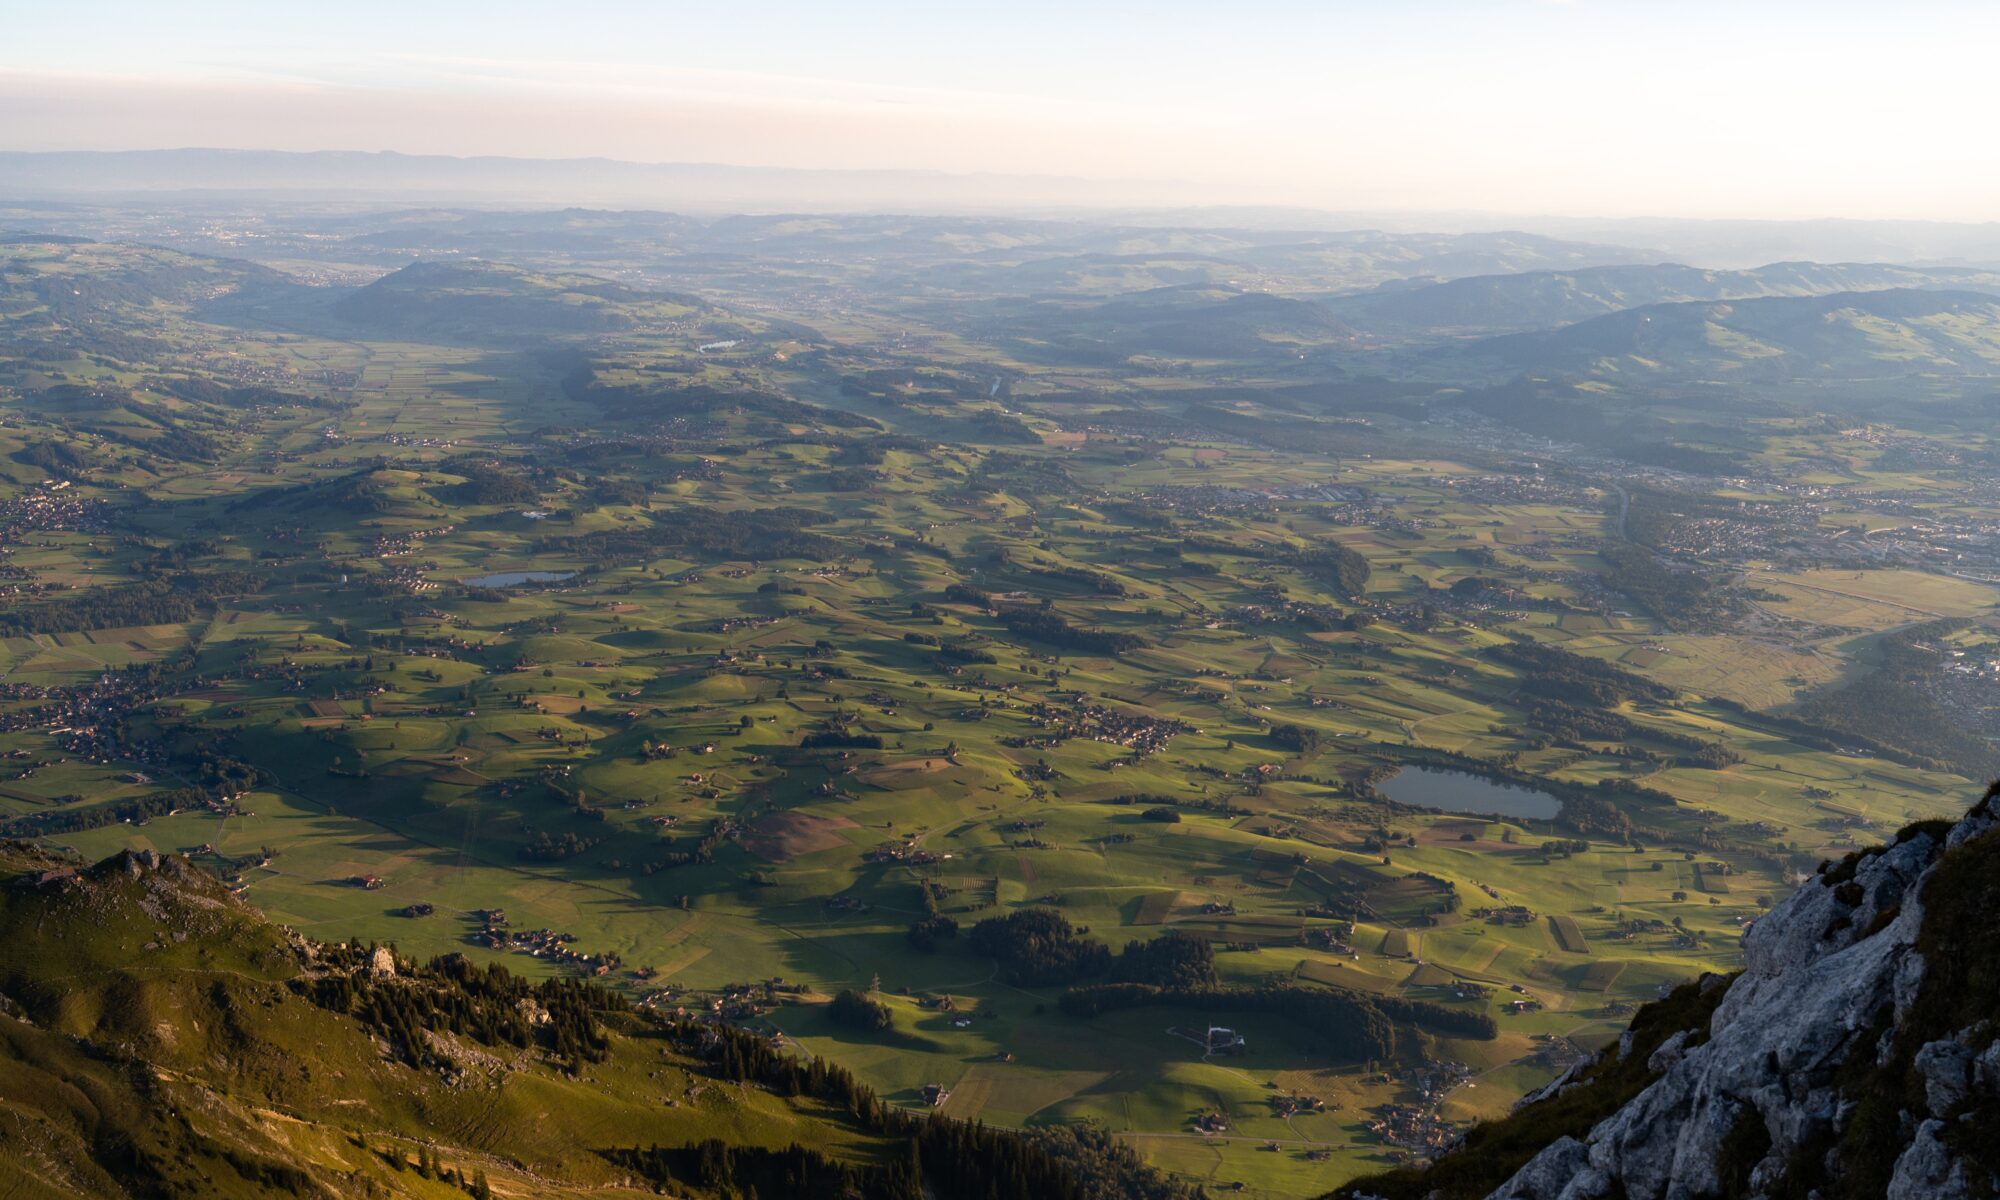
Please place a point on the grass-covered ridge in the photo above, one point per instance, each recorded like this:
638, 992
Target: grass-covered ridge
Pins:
158, 1038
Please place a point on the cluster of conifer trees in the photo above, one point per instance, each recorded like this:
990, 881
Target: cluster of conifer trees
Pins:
165, 601
942, 1156
1043, 625
454, 995
1037, 947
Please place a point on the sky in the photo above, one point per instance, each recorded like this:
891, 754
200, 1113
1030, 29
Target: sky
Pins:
1750, 108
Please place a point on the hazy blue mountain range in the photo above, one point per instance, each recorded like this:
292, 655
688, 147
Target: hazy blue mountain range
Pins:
1548, 299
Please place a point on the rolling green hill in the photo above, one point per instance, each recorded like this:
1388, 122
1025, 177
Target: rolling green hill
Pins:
62, 299
483, 302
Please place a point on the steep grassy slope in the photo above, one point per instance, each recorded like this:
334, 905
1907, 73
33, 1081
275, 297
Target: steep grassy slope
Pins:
159, 1038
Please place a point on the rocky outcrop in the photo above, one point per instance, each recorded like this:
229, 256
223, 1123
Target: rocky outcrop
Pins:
1765, 1101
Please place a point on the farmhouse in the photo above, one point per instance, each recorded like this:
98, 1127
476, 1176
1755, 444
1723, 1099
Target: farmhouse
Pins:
1223, 1040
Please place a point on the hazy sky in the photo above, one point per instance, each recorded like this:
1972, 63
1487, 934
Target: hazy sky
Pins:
1677, 107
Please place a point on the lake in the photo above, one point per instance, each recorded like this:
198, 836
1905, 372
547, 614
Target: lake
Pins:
1455, 791
513, 578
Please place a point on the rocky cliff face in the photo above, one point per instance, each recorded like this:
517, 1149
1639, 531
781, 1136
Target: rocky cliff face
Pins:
1855, 1055
1833, 1001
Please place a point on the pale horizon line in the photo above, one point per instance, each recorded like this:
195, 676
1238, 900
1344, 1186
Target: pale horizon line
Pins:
941, 173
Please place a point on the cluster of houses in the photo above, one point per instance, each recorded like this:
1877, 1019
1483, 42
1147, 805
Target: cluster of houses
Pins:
412, 577
52, 507
902, 852
1328, 938
540, 943
1516, 915
391, 544
1635, 926
1417, 1128
1434, 1080
1137, 732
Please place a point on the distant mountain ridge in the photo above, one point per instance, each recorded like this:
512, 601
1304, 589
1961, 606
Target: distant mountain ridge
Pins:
710, 188
1891, 333
1533, 300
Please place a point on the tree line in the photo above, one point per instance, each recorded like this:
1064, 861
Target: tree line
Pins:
169, 601
1043, 625
1351, 1026
942, 1157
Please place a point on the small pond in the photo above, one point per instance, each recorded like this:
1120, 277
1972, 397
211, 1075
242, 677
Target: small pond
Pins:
516, 578
1455, 791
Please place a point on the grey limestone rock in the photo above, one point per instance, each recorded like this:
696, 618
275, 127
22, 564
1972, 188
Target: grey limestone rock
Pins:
1821, 972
